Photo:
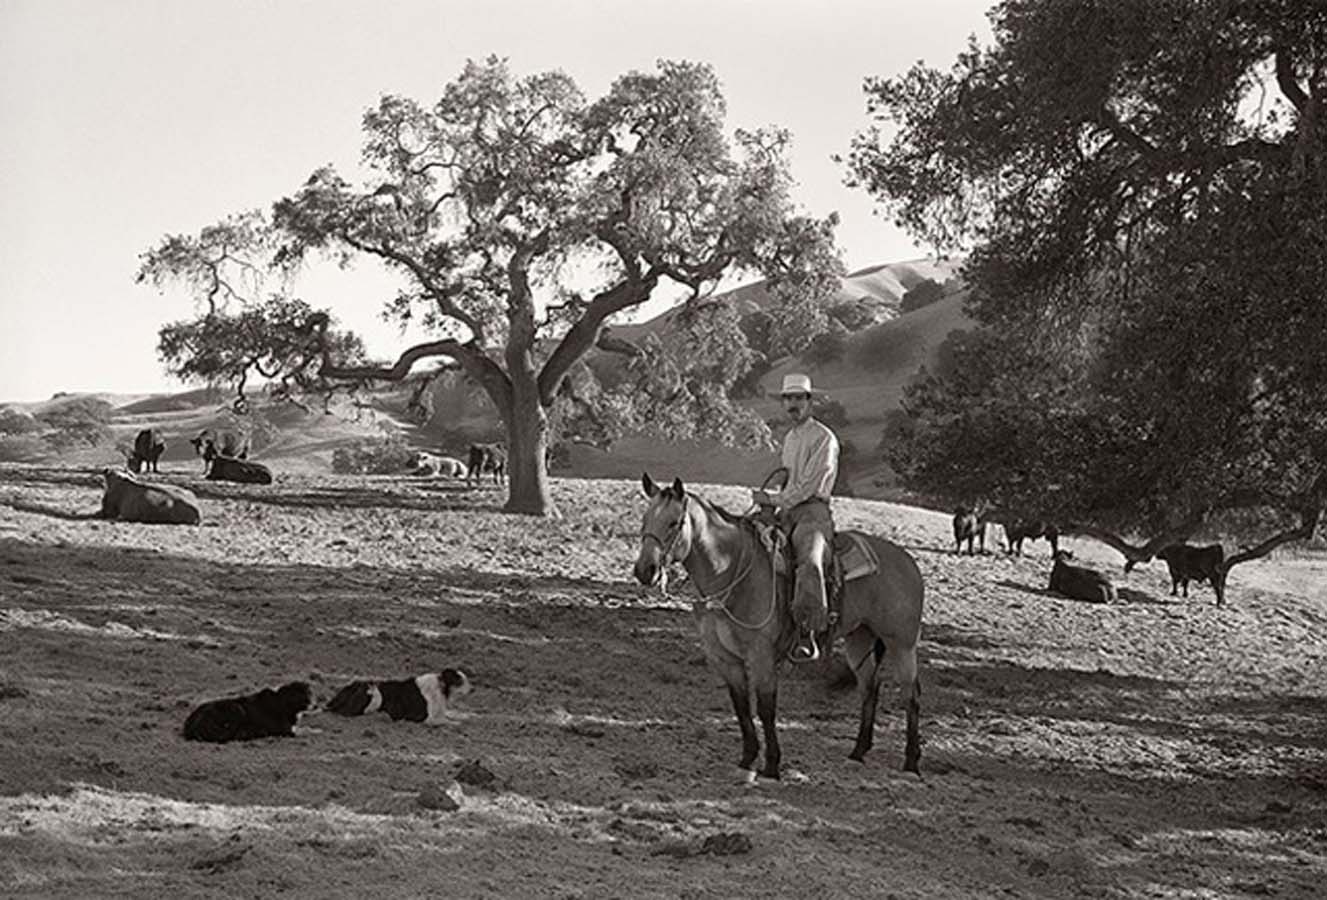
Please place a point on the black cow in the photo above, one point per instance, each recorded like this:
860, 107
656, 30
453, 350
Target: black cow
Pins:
1189, 563
224, 468
1032, 530
487, 458
147, 450
210, 444
1080, 582
968, 526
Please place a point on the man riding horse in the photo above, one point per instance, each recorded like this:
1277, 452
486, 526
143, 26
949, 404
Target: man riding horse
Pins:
811, 456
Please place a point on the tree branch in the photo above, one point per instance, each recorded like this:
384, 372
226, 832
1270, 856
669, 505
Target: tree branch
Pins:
470, 358
1137, 553
610, 344
1310, 512
444, 297
1285, 79
585, 333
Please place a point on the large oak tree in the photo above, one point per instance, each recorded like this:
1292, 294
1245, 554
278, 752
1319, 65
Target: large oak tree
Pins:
522, 218
1142, 185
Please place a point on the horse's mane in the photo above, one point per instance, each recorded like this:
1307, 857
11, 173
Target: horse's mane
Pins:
740, 521
730, 517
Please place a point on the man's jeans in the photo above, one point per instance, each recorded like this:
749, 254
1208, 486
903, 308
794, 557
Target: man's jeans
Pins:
811, 530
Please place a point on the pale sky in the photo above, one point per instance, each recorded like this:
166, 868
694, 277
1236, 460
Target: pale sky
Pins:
126, 120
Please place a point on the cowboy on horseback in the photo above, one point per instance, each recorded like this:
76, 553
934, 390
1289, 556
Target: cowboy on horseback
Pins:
811, 456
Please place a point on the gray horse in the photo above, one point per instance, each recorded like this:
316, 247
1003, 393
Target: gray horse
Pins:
745, 626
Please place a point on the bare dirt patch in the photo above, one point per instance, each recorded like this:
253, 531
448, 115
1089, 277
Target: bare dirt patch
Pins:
1158, 747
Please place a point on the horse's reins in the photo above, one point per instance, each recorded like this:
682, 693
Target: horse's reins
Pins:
718, 599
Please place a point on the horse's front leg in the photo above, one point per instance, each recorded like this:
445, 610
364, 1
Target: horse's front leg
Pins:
741, 697
766, 681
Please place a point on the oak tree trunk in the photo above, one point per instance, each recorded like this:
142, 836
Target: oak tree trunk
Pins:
527, 442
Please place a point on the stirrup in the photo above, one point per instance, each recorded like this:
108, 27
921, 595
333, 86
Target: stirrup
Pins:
805, 651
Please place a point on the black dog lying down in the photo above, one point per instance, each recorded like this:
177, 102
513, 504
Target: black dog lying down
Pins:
267, 713
423, 698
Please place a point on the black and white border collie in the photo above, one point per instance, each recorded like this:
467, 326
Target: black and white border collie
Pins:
424, 698
267, 713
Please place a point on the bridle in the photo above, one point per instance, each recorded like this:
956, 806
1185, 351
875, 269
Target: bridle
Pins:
716, 599
671, 547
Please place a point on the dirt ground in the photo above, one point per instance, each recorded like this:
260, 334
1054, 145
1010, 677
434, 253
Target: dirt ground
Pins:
1159, 747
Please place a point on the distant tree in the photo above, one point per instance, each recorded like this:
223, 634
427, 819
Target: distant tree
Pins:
853, 315
924, 293
828, 346
77, 422
492, 201
1144, 186
280, 340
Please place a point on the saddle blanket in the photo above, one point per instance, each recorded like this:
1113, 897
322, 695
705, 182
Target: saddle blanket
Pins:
854, 555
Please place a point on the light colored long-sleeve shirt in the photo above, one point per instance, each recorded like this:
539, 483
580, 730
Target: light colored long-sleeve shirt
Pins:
811, 455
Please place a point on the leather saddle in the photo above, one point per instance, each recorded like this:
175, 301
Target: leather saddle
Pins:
851, 558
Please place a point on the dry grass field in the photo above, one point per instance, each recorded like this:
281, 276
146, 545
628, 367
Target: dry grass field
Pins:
1158, 747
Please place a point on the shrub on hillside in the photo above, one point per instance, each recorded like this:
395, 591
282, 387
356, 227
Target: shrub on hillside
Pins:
78, 422
17, 421
853, 315
923, 294
827, 347
374, 456
21, 448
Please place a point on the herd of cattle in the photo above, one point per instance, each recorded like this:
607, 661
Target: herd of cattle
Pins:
1185, 561
225, 457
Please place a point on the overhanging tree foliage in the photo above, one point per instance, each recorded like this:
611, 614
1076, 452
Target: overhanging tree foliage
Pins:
498, 199
1143, 186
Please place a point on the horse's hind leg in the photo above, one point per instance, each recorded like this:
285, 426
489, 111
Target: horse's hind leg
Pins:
905, 673
863, 650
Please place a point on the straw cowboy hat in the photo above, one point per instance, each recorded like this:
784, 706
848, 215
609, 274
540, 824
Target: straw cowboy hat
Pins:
797, 383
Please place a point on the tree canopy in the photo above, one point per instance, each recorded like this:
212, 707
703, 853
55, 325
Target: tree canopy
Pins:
500, 202
1142, 186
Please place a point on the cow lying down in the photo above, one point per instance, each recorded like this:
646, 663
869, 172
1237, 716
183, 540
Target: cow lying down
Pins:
433, 465
243, 471
267, 713
1080, 582
130, 500
424, 698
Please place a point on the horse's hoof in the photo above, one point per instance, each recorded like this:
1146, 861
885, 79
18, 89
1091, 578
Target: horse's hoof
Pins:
747, 776
773, 776
857, 757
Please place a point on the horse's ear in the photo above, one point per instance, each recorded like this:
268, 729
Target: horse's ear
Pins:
648, 486
678, 489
